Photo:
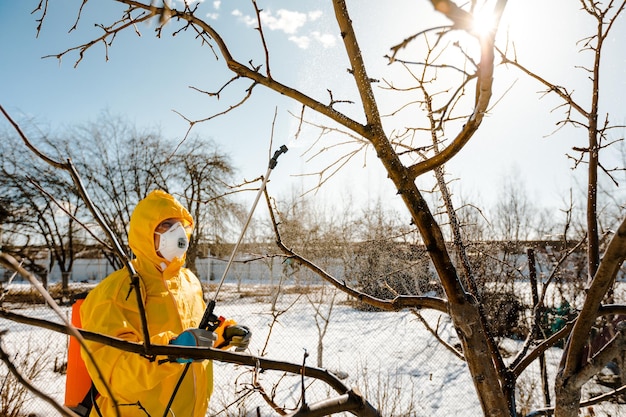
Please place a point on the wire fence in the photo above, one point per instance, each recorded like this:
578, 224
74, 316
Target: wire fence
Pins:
392, 358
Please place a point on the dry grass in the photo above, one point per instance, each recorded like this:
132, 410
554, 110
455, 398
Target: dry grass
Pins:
28, 295
12, 393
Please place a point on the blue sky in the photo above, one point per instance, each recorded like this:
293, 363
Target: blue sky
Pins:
145, 79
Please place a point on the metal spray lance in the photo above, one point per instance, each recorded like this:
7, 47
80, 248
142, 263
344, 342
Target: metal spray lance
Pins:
209, 320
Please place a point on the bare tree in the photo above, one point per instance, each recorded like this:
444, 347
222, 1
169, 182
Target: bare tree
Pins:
203, 177
120, 165
460, 113
575, 370
124, 164
36, 219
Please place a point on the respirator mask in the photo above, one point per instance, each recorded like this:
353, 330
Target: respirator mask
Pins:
173, 243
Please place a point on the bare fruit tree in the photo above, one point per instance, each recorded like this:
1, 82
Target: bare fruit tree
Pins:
451, 124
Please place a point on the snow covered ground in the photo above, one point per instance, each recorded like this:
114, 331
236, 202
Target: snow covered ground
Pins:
390, 356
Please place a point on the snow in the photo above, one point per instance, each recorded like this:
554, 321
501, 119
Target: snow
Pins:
389, 356
380, 351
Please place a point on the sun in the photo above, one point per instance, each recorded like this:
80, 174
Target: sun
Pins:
485, 20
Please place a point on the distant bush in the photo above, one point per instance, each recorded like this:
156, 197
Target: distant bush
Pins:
505, 312
384, 269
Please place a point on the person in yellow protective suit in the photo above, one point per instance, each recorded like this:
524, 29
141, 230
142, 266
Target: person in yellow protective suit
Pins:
158, 236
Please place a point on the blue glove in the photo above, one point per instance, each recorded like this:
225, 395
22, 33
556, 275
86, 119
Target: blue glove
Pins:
237, 336
194, 337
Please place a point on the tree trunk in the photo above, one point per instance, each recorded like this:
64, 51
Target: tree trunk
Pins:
463, 307
487, 382
65, 281
44, 279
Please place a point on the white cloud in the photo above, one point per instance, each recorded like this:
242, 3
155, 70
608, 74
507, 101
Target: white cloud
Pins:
247, 20
314, 15
213, 16
301, 42
290, 22
326, 39
187, 2
286, 20
217, 4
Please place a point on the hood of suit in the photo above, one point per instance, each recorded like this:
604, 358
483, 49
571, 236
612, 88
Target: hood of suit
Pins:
149, 212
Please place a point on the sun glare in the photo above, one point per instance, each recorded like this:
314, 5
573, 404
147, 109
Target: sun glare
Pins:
484, 21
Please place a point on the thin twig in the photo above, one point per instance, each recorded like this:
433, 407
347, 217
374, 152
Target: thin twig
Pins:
9, 262
28, 384
84, 195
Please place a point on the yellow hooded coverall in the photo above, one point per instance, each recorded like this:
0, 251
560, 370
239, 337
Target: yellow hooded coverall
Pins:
173, 301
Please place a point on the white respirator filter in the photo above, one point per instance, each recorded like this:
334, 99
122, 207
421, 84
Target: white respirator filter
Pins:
174, 242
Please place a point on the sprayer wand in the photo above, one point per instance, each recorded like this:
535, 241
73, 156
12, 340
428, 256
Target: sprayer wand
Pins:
209, 320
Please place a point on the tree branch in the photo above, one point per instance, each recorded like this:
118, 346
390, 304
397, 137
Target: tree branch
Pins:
351, 401
84, 195
484, 85
398, 303
10, 263
253, 74
605, 276
165, 351
613, 349
28, 384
